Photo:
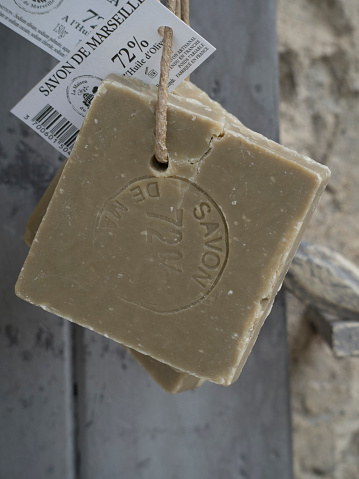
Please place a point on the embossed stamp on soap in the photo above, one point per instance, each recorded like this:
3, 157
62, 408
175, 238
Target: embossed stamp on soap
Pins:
179, 243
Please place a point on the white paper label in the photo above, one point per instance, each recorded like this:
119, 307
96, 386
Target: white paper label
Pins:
127, 43
56, 26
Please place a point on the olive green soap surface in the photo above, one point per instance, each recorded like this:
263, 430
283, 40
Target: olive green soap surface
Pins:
181, 264
171, 380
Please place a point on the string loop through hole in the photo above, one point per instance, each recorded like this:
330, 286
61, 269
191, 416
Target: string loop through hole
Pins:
157, 165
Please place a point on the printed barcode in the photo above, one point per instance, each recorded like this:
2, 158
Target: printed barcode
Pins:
57, 125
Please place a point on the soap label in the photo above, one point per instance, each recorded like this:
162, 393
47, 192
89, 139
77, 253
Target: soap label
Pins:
182, 250
56, 26
128, 43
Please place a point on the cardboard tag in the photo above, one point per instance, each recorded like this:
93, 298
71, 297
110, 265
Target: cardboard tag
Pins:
56, 26
128, 42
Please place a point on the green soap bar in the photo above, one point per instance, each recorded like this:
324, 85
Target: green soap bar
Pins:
180, 264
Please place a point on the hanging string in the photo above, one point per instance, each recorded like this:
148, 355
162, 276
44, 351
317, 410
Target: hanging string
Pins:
161, 110
185, 10
178, 9
181, 8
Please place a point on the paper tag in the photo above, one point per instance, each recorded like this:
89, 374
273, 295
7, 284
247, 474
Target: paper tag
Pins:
56, 26
126, 43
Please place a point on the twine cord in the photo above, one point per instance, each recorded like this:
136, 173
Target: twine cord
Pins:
181, 8
184, 10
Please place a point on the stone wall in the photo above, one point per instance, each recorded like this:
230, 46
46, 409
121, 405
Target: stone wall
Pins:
319, 80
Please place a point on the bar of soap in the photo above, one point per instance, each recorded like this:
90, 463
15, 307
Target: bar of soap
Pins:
168, 378
180, 264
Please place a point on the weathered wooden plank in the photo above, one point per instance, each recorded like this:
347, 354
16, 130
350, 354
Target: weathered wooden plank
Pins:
36, 420
128, 426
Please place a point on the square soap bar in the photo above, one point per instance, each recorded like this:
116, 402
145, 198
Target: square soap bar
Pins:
168, 378
180, 264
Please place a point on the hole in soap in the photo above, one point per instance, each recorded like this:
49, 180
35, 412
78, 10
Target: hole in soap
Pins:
157, 165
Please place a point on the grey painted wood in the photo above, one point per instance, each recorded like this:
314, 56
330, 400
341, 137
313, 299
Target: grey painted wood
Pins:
127, 426
36, 418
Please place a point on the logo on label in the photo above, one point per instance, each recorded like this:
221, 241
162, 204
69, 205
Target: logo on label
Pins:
165, 241
38, 6
81, 92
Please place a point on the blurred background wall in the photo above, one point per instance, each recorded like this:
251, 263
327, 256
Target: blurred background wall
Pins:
319, 80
